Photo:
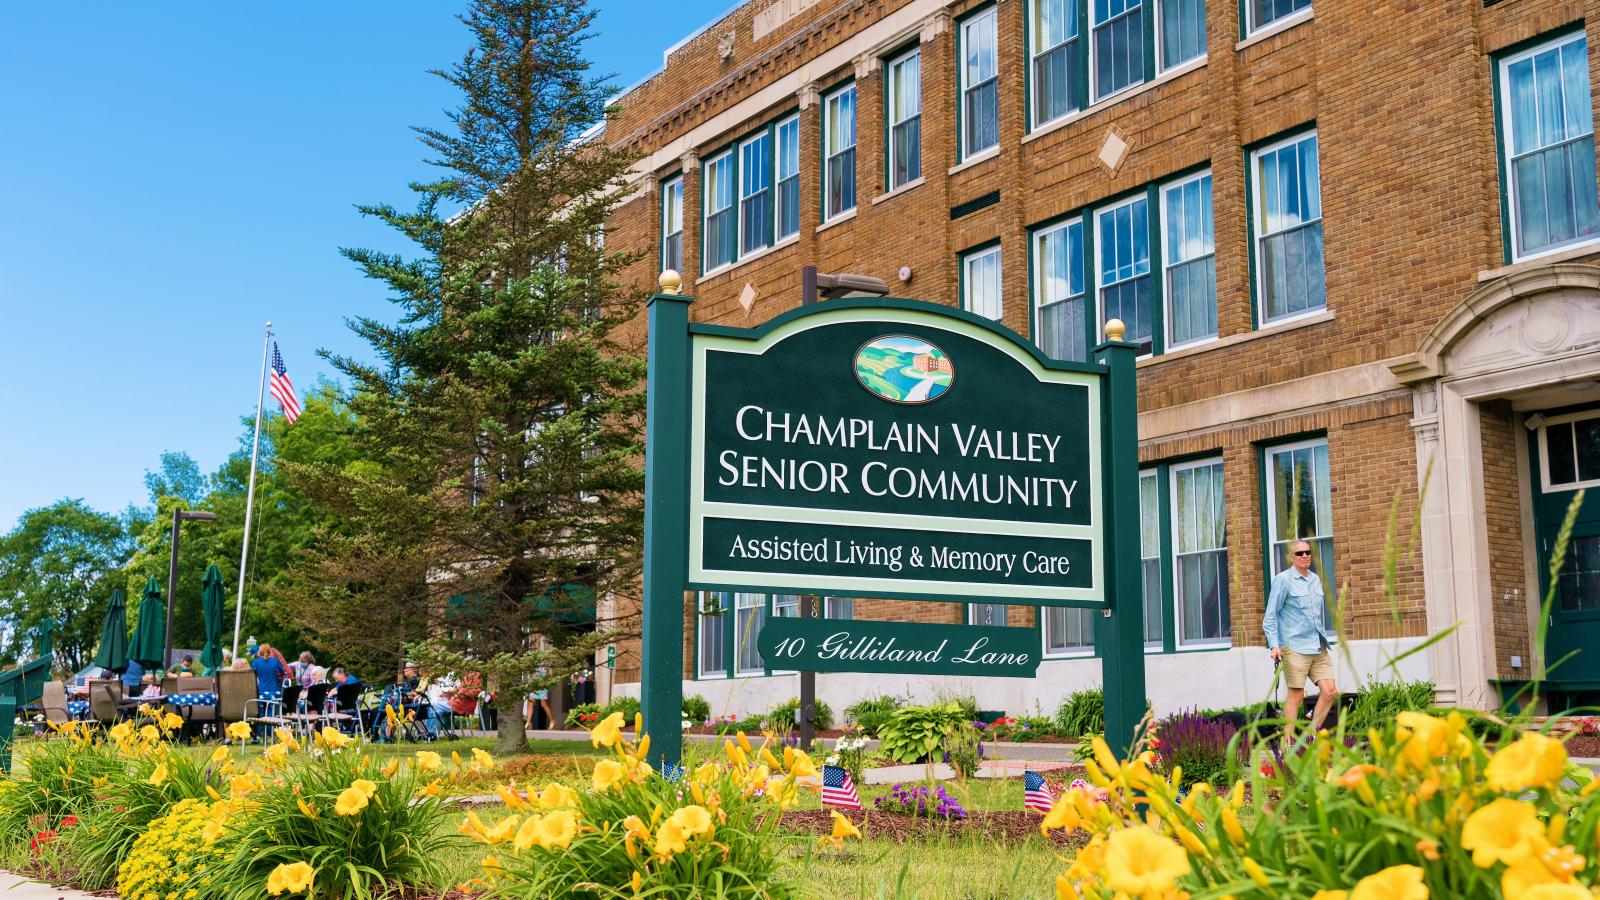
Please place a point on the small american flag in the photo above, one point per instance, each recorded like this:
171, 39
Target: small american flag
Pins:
671, 772
282, 388
1036, 792
838, 790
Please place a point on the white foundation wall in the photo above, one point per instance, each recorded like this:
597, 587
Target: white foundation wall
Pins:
1173, 681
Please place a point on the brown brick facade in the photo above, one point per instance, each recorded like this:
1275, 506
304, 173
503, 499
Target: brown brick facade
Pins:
1400, 98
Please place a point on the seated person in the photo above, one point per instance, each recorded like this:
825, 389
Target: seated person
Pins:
414, 696
186, 667
346, 694
132, 678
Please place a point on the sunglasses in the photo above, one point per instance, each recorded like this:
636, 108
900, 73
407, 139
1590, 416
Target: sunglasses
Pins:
1302, 553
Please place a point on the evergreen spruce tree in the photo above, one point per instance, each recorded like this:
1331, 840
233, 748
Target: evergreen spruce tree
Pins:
500, 491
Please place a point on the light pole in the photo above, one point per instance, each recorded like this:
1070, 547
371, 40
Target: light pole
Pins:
816, 286
178, 515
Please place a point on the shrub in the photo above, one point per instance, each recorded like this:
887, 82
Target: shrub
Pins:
60, 782
872, 712
1083, 713
850, 753
696, 709
584, 715
915, 733
1022, 729
628, 706
740, 726
636, 834
784, 714
171, 856
1378, 701
963, 750
1196, 744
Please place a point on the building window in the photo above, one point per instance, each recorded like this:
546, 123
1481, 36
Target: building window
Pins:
755, 194
839, 144
1300, 507
1288, 223
1264, 12
1117, 45
1122, 234
986, 613
980, 84
1058, 291
1056, 52
1150, 555
721, 233
788, 175
1191, 269
905, 119
1570, 447
715, 608
980, 282
672, 225
1200, 554
750, 613
1181, 31
839, 608
1549, 147
1068, 632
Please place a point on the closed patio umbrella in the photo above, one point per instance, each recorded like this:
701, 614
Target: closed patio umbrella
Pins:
211, 606
113, 652
150, 634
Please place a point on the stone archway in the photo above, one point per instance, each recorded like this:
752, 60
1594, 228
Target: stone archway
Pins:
1513, 337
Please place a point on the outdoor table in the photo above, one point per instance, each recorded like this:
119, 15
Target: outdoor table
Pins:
189, 701
77, 709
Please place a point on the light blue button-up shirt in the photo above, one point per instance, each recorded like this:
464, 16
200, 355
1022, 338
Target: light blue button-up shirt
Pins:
1296, 615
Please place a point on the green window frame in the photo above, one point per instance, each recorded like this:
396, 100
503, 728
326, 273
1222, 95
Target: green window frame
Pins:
726, 625
772, 194
1286, 223
1086, 52
1297, 504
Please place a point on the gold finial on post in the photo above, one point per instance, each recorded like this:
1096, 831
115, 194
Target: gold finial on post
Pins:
1114, 328
671, 282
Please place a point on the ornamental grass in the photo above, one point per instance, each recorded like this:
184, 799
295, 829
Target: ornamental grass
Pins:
709, 831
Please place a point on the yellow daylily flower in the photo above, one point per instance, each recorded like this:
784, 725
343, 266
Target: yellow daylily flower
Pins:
557, 829
1141, 862
1555, 891
637, 883
294, 878
351, 802
286, 737
306, 809
608, 732
481, 759
276, 755
693, 820
149, 734
390, 768
608, 772
842, 828
364, 786
1503, 831
172, 721
1393, 883
670, 839
1330, 895
555, 796
511, 797
239, 731
332, 738
1532, 761
158, 776
429, 761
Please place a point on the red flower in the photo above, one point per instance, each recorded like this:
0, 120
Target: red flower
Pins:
1268, 770
47, 836
69, 821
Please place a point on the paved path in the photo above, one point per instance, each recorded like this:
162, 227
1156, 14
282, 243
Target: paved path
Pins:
15, 887
1002, 750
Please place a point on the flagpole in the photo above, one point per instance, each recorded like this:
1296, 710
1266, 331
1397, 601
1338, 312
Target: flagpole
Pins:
250, 493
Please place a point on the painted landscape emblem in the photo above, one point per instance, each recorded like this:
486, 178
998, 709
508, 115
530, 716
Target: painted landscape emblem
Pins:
904, 369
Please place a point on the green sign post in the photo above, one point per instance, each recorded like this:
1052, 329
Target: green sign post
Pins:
888, 448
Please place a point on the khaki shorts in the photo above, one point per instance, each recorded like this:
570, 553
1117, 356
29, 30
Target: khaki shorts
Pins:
1296, 666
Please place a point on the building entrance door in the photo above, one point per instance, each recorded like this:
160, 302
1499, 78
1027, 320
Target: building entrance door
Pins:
1565, 459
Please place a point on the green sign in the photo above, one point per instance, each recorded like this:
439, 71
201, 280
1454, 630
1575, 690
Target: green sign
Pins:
834, 645
893, 452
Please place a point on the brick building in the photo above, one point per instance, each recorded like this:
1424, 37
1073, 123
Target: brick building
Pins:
1358, 242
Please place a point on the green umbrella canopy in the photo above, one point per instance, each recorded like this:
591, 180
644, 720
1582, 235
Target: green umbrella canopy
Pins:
150, 635
211, 605
113, 653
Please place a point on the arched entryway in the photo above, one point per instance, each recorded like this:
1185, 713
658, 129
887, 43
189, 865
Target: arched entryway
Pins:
1507, 375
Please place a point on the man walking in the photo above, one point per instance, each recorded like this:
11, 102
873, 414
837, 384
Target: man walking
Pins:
1298, 636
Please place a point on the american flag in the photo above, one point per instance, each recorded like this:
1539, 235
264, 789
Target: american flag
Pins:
1036, 792
282, 388
838, 790
671, 772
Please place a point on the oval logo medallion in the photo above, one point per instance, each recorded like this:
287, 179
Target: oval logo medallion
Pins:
904, 369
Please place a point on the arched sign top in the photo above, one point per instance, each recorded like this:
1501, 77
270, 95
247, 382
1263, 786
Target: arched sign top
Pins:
801, 481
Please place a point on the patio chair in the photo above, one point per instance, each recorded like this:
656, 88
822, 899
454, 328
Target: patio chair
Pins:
343, 709
235, 688
316, 697
198, 717
53, 703
270, 711
105, 698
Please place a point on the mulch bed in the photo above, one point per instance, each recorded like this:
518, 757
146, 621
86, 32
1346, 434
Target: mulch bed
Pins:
1011, 826
1585, 745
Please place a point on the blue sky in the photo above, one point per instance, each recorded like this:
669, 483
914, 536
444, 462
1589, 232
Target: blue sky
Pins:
172, 176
